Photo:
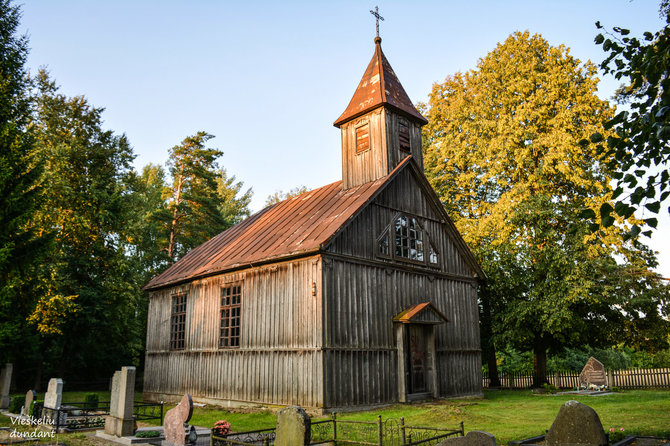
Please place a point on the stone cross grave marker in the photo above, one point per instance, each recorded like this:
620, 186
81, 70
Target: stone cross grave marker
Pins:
577, 425
5, 381
30, 397
593, 373
174, 422
120, 421
293, 427
54, 395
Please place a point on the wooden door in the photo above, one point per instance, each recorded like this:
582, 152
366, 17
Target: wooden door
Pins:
417, 359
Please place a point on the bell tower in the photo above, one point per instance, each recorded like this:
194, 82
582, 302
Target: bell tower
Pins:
380, 127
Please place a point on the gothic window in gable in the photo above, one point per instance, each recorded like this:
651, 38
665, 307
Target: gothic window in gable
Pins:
405, 239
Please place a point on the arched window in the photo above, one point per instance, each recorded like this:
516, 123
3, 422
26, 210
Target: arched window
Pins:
405, 239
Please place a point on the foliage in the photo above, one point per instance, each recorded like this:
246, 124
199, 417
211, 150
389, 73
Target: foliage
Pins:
16, 404
147, 434
86, 289
638, 146
502, 150
281, 195
616, 434
20, 247
193, 199
234, 204
91, 400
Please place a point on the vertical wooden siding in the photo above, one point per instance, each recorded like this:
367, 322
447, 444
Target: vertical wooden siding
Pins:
384, 154
278, 362
361, 353
359, 239
363, 292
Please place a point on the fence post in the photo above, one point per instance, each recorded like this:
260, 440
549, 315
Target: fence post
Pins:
380, 436
334, 426
402, 429
462, 430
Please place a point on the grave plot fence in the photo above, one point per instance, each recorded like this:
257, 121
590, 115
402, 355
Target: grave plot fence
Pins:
86, 415
382, 432
623, 379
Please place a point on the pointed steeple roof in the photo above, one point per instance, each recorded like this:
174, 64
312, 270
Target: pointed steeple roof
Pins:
379, 86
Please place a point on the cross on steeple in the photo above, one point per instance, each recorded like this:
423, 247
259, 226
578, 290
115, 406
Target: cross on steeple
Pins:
378, 17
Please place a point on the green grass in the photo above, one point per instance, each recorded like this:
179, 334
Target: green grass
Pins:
509, 415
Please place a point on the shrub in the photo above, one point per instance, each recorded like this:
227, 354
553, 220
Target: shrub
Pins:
91, 400
16, 404
148, 434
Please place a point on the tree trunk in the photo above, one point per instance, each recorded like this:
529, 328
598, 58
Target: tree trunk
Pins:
539, 362
175, 219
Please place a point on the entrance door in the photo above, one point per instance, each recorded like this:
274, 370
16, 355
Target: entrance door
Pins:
417, 358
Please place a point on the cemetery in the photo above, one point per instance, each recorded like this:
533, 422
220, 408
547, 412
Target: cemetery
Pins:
373, 310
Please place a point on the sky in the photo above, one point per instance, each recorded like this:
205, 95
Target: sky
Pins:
268, 79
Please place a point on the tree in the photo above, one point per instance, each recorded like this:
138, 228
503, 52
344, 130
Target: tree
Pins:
502, 150
85, 289
281, 195
20, 187
233, 206
193, 200
638, 146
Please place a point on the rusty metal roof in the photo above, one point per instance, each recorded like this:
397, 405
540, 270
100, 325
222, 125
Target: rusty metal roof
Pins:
379, 86
297, 226
431, 314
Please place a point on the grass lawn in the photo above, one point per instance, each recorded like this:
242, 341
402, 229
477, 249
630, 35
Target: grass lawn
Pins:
509, 415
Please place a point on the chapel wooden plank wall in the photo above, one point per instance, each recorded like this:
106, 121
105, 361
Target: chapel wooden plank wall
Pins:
279, 360
363, 292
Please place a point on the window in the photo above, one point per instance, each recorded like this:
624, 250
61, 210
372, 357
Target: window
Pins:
384, 245
405, 239
362, 138
178, 321
231, 307
408, 238
403, 135
433, 258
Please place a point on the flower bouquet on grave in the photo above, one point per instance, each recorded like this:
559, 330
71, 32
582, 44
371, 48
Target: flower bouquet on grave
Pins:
616, 435
221, 427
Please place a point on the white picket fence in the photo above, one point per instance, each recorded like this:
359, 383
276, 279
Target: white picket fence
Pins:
623, 379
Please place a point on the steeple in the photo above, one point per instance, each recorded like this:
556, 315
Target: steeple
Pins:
380, 126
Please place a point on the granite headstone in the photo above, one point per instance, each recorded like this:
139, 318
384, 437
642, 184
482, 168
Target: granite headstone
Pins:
175, 421
54, 395
293, 427
5, 381
593, 373
472, 438
120, 421
30, 397
577, 425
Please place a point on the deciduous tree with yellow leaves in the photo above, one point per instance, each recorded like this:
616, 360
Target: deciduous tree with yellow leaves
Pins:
502, 149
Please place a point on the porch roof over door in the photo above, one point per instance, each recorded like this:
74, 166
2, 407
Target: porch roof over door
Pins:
423, 313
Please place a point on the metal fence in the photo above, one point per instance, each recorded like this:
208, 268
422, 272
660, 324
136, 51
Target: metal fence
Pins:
623, 379
91, 415
386, 432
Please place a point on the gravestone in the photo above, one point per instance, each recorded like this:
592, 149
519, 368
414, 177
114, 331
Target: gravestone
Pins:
293, 427
120, 421
54, 395
5, 381
593, 373
576, 425
175, 421
30, 397
473, 438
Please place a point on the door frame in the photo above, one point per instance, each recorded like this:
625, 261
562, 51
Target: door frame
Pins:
402, 334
